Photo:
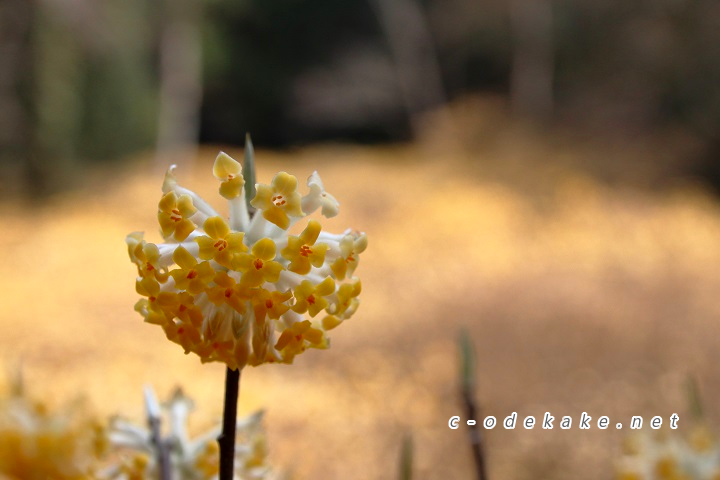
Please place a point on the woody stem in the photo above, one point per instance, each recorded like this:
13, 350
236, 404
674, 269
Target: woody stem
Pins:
226, 440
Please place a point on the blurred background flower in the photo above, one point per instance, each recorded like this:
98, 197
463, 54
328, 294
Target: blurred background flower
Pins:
541, 173
139, 450
668, 455
37, 442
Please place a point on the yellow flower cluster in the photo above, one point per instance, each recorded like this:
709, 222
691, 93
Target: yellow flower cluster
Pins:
665, 455
243, 290
37, 443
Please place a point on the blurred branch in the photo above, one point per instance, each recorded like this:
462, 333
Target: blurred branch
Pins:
180, 80
406, 458
694, 401
467, 389
161, 446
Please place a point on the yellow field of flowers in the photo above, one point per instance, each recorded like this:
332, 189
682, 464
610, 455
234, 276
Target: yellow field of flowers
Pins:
579, 298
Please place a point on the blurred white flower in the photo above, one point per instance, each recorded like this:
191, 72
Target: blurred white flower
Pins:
139, 449
664, 455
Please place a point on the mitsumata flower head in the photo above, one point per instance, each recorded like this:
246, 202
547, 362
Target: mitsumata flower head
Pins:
243, 290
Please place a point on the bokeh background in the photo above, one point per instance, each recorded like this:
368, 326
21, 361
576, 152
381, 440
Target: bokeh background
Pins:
543, 174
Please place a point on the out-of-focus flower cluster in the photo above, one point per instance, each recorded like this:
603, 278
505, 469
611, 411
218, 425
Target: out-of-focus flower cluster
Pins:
37, 443
666, 455
243, 290
138, 448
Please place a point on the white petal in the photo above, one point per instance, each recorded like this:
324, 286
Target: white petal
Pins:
151, 404
239, 216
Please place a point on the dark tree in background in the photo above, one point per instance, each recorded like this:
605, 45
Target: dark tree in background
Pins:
254, 52
79, 87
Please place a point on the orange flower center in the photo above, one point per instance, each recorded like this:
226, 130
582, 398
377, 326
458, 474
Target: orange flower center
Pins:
278, 200
221, 245
305, 251
175, 215
258, 264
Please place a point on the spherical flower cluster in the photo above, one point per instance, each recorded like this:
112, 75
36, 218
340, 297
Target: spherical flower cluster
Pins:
244, 290
668, 456
135, 448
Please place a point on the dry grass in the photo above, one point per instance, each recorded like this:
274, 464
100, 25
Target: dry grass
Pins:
578, 297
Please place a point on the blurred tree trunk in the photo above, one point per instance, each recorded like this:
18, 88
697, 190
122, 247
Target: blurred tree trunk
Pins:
413, 49
15, 74
180, 82
531, 81
57, 100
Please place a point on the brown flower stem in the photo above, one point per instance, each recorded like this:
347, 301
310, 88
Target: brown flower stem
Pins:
475, 436
467, 389
226, 440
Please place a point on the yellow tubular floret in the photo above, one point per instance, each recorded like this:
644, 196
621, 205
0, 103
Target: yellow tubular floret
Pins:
279, 201
191, 276
292, 340
270, 304
221, 244
258, 266
330, 322
229, 172
311, 298
173, 215
227, 291
302, 252
351, 246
